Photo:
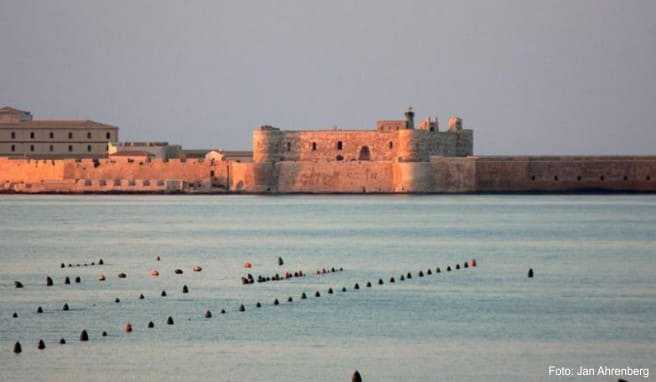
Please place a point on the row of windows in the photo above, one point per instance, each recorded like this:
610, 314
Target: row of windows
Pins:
51, 148
580, 178
52, 135
339, 145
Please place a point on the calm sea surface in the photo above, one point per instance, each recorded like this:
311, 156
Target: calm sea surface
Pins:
592, 302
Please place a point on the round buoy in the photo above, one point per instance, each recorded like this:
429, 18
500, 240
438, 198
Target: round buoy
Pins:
163, 294
78, 279
127, 327
356, 377
208, 314
18, 348
141, 296
356, 286
67, 281
154, 273
15, 315
248, 264
258, 305
62, 341
242, 308
62, 265
178, 271
473, 262
117, 300
276, 302
223, 311
169, 321
65, 307
530, 273
48, 281
122, 275
41, 345
185, 289
84, 336
39, 310
343, 289
93, 263
317, 294
18, 284
151, 325
196, 268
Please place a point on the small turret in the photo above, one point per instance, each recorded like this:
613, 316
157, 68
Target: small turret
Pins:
410, 118
455, 123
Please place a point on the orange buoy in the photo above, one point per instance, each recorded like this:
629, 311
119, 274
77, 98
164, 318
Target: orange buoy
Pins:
196, 268
248, 264
154, 273
127, 327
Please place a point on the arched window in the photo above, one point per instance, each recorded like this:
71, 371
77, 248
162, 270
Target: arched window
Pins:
52, 148
339, 145
108, 135
13, 147
70, 135
13, 135
314, 146
51, 135
32, 135
289, 146
31, 147
70, 148
390, 145
89, 135
89, 148
364, 153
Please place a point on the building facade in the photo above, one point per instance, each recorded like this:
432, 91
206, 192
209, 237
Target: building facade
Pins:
22, 136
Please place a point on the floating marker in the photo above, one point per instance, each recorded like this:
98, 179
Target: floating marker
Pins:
141, 296
368, 284
48, 281
104, 334
84, 336
380, 282
421, 274
163, 294
303, 296
65, 307
62, 341
276, 302
18, 348
62, 265
280, 261
41, 345
290, 299
429, 272
18, 284
356, 286
409, 275
185, 289
78, 279
102, 277
208, 314
122, 275
465, 265
457, 266
178, 271
530, 273
330, 290
437, 270
196, 268
127, 327
258, 305
169, 321
39, 310
158, 258
392, 280
402, 278
448, 269
151, 325
117, 300
317, 294
67, 281
101, 262
356, 377
343, 289
473, 262
242, 308
223, 311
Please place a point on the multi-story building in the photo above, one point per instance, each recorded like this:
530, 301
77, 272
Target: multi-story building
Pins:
22, 136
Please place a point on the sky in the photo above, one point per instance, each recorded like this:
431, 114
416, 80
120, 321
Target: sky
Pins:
529, 77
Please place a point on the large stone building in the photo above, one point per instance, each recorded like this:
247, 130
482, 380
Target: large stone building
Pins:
22, 136
395, 157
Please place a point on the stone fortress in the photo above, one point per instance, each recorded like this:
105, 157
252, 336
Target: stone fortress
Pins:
398, 156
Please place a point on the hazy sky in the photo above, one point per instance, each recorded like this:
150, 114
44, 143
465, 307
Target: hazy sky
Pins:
533, 77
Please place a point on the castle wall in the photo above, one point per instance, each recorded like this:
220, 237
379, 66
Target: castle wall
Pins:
335, 177
323, 145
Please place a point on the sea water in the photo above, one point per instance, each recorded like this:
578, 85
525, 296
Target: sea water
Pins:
592, 302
